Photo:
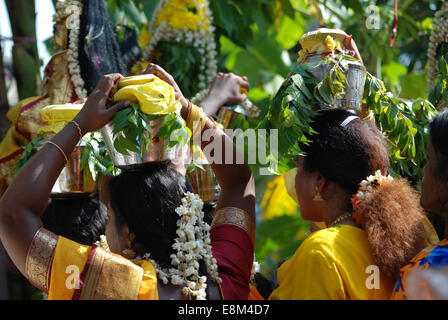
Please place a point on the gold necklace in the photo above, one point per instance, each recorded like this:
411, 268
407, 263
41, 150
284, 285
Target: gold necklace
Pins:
340, 218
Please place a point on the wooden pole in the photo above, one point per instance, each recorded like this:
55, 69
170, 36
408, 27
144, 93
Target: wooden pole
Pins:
26, 62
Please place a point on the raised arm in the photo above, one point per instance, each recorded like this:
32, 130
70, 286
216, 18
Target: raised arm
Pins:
26, 198
236, 180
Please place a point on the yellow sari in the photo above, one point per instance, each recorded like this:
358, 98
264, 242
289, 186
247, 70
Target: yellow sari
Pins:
332, 264
26, 118
67, 270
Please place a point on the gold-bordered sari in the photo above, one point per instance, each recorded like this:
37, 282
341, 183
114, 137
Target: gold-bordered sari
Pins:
67, 270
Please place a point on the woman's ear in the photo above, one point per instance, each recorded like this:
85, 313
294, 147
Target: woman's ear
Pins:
127, 236
321, 182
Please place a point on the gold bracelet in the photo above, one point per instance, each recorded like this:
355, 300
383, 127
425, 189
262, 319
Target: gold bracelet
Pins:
59, 148
78, 127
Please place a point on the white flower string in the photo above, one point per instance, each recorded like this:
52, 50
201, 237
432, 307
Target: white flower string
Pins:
439, 34
63, 11
102, 243
365, 188
202, 38
191, 245
371, 182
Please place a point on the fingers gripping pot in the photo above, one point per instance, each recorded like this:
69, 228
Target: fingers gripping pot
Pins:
144, 136
322, 43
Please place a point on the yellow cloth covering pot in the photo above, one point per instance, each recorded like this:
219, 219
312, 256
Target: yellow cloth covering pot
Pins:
153, 95
320, 42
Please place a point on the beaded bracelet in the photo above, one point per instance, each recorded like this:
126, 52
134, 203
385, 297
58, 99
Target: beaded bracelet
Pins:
78, 127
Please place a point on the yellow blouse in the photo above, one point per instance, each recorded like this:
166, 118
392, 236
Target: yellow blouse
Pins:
332, 263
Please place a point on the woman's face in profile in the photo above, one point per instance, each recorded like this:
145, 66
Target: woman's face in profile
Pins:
113, 234
434, 196
306, 191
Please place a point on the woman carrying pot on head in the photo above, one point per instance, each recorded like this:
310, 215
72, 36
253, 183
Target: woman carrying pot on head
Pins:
434, 198
374, 223
182, 252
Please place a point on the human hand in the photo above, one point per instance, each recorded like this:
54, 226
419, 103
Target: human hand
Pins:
159, 72
94, 115
229, 89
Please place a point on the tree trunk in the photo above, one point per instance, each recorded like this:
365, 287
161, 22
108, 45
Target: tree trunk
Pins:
4, 105
26, 62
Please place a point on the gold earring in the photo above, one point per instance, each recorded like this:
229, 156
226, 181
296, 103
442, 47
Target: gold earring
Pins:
318, 196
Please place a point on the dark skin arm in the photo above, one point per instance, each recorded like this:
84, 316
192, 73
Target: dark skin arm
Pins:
236, 180
26, 198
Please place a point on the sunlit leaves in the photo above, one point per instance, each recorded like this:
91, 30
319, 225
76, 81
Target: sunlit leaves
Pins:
404, 124
132, 130
95, 158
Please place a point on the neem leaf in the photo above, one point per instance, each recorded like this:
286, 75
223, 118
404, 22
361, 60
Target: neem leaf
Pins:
119, 146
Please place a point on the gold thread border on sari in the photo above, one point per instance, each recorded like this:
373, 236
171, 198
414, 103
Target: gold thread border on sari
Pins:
108, 276
40, 258
237, 217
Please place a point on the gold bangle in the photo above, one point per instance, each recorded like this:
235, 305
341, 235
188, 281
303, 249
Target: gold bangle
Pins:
78, 127
59, 148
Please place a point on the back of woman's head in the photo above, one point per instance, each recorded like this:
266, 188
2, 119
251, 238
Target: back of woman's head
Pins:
438, 129
346, 153
145, 198
78, 217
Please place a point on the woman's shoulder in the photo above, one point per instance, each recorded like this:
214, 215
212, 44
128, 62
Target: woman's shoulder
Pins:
339, 234
337, 243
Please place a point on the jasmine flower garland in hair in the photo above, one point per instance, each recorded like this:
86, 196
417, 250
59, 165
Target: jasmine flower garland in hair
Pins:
365, 188
191, 245
102, 243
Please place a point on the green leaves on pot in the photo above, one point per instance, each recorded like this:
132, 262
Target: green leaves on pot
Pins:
439, 94
95, 159
132, 129
405, 125
403, 122
290, 113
